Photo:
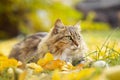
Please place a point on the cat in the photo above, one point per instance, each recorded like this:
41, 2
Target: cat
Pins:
64, 42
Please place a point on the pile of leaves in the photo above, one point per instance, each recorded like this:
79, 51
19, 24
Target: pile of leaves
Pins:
48, 68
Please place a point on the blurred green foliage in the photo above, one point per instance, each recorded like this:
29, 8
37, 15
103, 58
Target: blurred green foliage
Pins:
30, 16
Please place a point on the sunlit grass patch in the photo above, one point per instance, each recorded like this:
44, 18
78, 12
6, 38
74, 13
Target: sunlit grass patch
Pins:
104, 45
6, 46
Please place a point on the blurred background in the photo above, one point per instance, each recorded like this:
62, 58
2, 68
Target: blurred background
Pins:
30, 16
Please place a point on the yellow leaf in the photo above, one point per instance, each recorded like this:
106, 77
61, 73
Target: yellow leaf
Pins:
37, 68
2, 58
42, 62
56, 75
85, 73
67, 66
79, 66
54, 64
5, 62
22, 76
12, 62
48, 57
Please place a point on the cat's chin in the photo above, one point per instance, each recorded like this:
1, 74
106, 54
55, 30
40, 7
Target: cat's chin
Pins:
66, 55
63, 56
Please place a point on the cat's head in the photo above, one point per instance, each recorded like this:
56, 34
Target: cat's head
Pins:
66, 39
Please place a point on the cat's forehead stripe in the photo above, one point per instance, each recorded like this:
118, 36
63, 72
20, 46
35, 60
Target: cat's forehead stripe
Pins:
74, 33
72, 30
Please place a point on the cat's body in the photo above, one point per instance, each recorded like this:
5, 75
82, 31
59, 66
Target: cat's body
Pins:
64, 42
24, 50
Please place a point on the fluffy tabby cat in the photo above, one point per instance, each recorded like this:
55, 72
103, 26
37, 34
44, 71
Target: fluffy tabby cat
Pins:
64, 42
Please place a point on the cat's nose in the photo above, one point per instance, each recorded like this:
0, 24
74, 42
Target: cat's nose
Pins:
74, 48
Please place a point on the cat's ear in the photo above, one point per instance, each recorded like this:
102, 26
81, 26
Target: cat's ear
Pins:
77, 25
58, 26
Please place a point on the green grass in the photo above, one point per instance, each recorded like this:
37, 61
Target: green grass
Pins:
104, 45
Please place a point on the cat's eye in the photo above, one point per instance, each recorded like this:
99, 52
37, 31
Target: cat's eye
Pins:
79, 37
69, 37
